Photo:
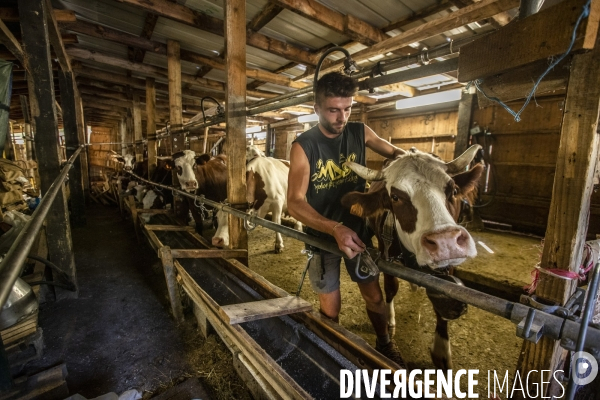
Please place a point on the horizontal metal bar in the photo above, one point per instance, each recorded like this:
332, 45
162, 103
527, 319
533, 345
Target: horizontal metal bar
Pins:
554, 326
12, 264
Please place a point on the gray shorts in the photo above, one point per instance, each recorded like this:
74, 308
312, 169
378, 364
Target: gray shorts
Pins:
324, 272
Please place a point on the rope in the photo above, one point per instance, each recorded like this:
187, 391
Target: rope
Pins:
517, 115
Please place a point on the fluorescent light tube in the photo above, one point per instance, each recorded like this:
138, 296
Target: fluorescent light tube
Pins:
429, 99
308, 118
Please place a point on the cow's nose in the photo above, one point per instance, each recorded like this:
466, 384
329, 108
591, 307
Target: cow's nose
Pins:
218, 242
447, 244
192, 185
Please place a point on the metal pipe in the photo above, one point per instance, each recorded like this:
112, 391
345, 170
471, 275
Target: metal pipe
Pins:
592, 290
12, 264
554, 326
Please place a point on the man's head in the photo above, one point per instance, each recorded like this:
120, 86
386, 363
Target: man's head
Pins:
333, 101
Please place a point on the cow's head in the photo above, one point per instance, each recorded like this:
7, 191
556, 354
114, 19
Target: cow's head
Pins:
128, 160
221, 236
184, 163
253, 152
421, 191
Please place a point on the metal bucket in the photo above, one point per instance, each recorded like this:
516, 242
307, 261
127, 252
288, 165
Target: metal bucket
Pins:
21, 304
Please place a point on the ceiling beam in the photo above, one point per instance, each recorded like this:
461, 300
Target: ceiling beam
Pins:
475, 12
214, 25
12, 44
56, 40
137, 55
266, 15
61, 16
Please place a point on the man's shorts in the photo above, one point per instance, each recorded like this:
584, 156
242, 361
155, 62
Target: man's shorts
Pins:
324, 272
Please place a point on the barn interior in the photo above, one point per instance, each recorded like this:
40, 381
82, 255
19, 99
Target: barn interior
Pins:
121, 299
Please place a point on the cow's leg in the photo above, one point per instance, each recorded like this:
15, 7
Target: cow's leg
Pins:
277, 211
441, 354
390, 287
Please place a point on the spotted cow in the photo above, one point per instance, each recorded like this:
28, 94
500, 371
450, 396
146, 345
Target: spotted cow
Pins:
266, 191
420, 194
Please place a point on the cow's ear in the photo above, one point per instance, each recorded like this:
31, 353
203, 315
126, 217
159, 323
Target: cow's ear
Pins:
203, 159
467, 181
367, 204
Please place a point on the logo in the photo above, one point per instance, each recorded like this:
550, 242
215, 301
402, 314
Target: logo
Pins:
584, 368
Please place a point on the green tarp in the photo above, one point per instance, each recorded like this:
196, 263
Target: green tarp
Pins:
5, 92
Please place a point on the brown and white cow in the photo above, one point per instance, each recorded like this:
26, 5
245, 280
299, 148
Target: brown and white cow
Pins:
266, 191
422, 194
201, 175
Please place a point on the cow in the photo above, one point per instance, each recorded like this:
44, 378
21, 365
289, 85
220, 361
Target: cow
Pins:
266, 191
200, 175
153, 200
130, 165
417, 197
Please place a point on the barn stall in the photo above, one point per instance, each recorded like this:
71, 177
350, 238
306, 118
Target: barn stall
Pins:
120, 92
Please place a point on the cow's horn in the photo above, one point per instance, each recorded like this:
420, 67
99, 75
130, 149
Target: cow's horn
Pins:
364, 172
460, 163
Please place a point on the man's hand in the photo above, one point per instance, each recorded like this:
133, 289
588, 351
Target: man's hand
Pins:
348, 241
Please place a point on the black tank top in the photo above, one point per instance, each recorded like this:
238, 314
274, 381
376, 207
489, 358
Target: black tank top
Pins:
329, 182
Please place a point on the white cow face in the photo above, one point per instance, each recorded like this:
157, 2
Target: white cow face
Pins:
422, 191
184, 164
253, 152
221, 236
128, 160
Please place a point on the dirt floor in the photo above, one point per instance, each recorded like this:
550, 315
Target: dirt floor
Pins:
119, 334
479, 340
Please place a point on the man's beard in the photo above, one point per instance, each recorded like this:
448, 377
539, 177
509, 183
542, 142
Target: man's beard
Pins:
331, 129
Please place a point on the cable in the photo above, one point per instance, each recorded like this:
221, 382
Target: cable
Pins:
220, 110
349, 64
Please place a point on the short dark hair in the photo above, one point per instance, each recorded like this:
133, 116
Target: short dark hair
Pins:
335, 84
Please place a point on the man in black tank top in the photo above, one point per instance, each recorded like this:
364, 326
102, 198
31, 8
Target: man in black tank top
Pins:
316, 185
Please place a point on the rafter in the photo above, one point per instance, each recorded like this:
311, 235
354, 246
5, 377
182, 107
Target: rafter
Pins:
56, 40
137, 55
61, 16
214, 25
269, 11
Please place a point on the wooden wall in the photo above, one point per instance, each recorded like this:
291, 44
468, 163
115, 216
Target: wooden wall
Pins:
523, 158
98, 154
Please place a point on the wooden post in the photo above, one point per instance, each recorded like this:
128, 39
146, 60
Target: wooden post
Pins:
82, 135
137, 129
34, 29
151, 124
67, 99
176, 118
129, 131
205, 141
290, 137
269, 141
465, 108
165, 255
363, 114
235, 43
123, 132
570, 206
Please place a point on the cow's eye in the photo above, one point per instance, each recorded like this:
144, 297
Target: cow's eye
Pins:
455, 192
394, 197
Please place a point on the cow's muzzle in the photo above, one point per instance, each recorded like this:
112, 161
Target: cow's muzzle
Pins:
190, 186
448, 245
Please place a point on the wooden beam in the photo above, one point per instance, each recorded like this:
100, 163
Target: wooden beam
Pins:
345, 24
261, 309
137, 128
214, 25
235, 114
56, 40
151, 125
465, 110
12, 44
174, 63
472, 13
210, 253
569, 210
82, 135
169, 269
264, 16
147, 30
36, 45
540, 36
61, 16
72, 142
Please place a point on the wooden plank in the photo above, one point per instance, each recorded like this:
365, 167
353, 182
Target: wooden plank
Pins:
36, 44
517, 83
153, 211
214, 25
235, 111
264, 16
473, 13
61, 16
542, 35
169, 269
465, 110
68, 101
209, 253
569, 209
168, 227
137, 128
255, 310
12, 44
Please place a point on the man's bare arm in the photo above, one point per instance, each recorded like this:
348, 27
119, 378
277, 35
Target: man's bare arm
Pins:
381, 146
298, 180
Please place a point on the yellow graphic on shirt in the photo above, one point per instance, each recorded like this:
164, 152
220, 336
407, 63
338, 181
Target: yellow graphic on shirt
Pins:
331, 175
